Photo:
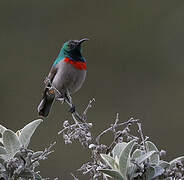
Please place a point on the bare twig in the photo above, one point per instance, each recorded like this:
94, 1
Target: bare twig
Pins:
74, 176
84, 115
45, 153
142, 136
116, 125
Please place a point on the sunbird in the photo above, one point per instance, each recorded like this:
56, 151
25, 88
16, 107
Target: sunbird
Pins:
66, 75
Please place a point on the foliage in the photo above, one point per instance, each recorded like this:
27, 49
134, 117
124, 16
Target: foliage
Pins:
129, 156
16, 161
128, 164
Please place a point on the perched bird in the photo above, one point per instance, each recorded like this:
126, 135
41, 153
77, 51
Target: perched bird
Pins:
67, 74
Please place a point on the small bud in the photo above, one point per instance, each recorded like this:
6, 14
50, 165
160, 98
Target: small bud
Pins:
88, 134
162, 153
91, 146
90, 124
179, 164
175, 169
120, 139
68, 141
65, 136
36, 164
29, 154
124, 132
65, 124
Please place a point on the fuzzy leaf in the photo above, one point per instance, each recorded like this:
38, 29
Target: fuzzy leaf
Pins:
114, 174
172, 163
2, 129
4, 175
158, 171
133, 171
124, 159
109, 160
117, 161
28, 131
5, 157
118, 148
164, 164
153, 172
2, 168
145, 156
11, 142
3, 150
137, 153
155, 158
1, 141
150, 173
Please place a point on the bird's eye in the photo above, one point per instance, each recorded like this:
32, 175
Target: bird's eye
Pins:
71, 45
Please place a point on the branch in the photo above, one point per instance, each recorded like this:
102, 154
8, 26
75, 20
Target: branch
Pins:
114, 126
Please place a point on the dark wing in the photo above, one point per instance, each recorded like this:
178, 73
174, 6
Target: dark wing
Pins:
49, 79
47, 100
52, 73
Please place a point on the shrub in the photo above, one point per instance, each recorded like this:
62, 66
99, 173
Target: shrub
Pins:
130, 155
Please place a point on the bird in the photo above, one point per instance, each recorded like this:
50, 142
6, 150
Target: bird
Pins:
67, 74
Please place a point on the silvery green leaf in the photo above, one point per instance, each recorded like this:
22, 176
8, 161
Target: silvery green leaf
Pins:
150, 173
172, 163
155, 158
117, 161
3, 150
1, 160
11, 142
2, 167
1, 141
158, 171
124, 159
132, 171
2, 129
5, 157
145, 156
36, 164
28, 131
118, 148
137, 153
112, 173
4, 175
109, 160
164, 164
154, 172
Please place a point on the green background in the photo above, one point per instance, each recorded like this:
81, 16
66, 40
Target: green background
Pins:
135, 67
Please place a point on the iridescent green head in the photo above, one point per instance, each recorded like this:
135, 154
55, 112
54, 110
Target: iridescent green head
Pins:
72, 48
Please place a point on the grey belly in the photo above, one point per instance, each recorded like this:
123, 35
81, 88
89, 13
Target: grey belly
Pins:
68, 77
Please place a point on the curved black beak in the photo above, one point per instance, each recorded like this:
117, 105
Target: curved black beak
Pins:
82, 40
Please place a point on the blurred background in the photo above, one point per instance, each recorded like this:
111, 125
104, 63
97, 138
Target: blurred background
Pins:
135, 67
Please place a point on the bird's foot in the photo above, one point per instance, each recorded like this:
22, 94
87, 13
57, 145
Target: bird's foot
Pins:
51, 91
72, 109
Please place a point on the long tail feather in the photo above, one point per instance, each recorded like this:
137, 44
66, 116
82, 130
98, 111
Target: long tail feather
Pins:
45, 106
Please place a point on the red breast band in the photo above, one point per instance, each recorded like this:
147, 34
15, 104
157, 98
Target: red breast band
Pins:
76, 64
